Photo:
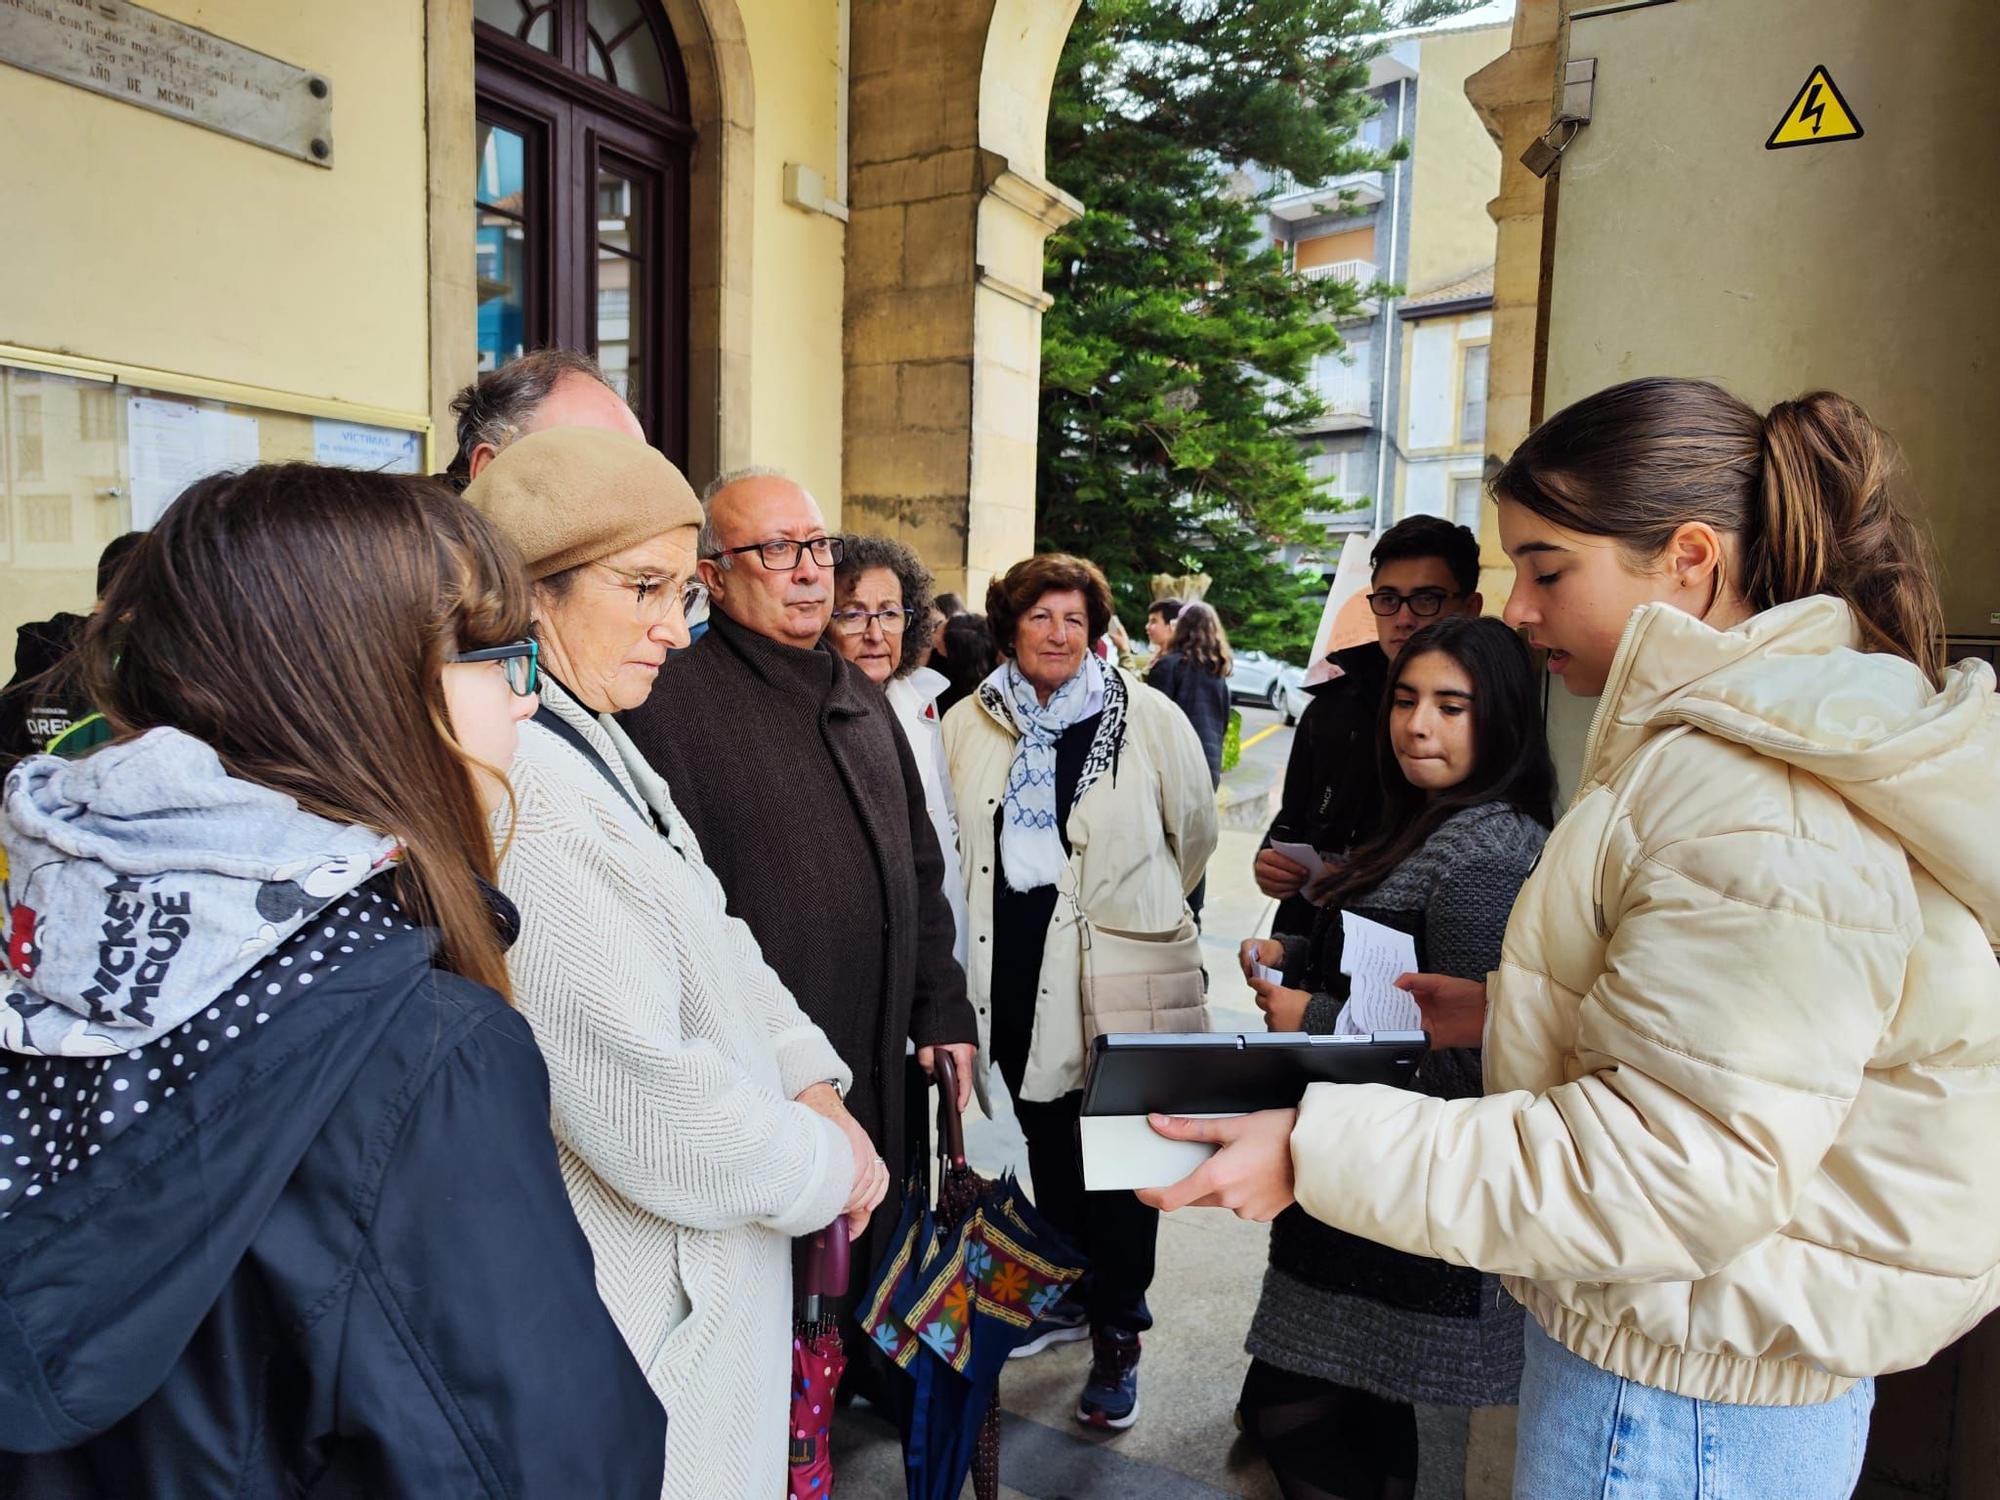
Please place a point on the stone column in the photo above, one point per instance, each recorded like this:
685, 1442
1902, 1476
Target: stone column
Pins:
1017, 214
944, 299
1515, 98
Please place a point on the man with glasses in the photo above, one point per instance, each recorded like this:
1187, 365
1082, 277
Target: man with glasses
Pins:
1423, 567
788, 764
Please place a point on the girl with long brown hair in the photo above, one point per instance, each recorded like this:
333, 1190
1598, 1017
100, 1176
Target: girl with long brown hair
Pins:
279, 1195
1365, 1360
1735, 1155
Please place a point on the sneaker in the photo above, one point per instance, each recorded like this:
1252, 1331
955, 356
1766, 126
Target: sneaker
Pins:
1111, 1394
1066, 1323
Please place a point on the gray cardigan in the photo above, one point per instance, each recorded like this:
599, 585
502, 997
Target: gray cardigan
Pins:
1455, 894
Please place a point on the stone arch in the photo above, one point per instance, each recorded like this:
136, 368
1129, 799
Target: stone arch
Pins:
1017, 70
949, 211
721, 197
1018, 211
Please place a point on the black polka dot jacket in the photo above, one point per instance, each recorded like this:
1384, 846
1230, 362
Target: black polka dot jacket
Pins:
311, 1240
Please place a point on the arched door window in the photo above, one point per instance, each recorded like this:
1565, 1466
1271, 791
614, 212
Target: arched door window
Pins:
583, 146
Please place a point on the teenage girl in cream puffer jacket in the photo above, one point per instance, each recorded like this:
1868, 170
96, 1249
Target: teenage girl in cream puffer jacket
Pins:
1743, 1049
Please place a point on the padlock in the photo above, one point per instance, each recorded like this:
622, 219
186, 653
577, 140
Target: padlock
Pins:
1540, 156
1544, 152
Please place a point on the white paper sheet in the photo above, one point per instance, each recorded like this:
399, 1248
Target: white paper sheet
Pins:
1302, 854
170, 444
1374, 957
1266, 973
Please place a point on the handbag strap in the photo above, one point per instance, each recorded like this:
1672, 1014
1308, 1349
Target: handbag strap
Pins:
562, 729
1066, 888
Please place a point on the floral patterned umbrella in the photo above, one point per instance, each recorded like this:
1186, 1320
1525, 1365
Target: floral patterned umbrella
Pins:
958, 1292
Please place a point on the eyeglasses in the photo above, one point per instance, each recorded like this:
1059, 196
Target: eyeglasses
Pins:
1423, 602
654, 603
694, 602
781, 556
522, 661
855, 621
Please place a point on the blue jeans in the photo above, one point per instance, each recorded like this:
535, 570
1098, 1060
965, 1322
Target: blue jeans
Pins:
1589, 1435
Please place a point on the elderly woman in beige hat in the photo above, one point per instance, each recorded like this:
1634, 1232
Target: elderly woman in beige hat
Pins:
695, 1107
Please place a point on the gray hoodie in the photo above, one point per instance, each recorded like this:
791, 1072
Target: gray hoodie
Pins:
143, 880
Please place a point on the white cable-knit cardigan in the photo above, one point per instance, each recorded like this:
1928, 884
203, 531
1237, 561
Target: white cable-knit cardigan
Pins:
674, 1057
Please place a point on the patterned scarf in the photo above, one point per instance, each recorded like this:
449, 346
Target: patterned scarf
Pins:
1031, 846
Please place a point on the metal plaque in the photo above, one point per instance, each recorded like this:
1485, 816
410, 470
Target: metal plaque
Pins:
124, 51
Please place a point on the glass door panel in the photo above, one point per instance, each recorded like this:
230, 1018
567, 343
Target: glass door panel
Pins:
622, 262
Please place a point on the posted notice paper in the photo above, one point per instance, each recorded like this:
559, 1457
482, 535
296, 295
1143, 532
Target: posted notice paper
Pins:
173, 443
1374, 957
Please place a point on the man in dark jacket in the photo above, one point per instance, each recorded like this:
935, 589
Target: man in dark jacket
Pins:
1422, 567
788, 764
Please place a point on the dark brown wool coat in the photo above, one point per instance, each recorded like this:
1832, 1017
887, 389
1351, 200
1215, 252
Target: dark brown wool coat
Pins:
790, 768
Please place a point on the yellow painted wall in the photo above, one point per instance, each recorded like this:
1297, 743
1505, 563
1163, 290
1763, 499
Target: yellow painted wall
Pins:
797, 266
144, 240
1455, 165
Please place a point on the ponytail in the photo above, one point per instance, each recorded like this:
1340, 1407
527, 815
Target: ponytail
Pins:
1828, 523
1808, 492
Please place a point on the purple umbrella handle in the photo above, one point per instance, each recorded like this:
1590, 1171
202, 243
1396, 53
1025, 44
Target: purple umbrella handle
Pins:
829, 1255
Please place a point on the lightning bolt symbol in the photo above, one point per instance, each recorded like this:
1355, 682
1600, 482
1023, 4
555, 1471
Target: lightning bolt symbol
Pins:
1813, 110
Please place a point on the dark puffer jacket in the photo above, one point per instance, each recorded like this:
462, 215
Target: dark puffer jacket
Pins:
314, 1242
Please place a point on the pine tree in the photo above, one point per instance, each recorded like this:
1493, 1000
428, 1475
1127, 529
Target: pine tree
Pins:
1173, 354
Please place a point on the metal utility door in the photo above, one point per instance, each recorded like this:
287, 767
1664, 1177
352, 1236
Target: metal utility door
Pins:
1685, 246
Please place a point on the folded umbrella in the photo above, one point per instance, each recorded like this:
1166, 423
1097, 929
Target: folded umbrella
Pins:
817, 1364
959, 1290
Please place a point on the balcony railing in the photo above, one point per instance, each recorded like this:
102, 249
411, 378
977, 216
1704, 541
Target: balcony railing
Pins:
1345, 392
1360, 518
1346, 397
1360, 272
1294, 202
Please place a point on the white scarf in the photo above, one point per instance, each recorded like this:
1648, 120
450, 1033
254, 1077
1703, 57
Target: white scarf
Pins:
1031, 846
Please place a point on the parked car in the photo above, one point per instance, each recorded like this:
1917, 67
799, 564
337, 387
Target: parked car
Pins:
1258, 678
1296, 697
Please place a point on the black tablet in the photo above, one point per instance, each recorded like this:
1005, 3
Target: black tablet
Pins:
1212, 1073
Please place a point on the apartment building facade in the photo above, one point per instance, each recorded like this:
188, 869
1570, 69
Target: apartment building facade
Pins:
1420, 226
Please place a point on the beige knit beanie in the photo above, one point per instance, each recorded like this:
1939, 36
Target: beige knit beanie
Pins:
571, 495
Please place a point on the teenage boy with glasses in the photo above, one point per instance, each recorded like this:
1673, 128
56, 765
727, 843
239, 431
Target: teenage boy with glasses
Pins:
1423, 567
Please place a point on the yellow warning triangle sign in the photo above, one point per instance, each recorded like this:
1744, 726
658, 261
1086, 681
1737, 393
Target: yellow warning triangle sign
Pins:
1819, 114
